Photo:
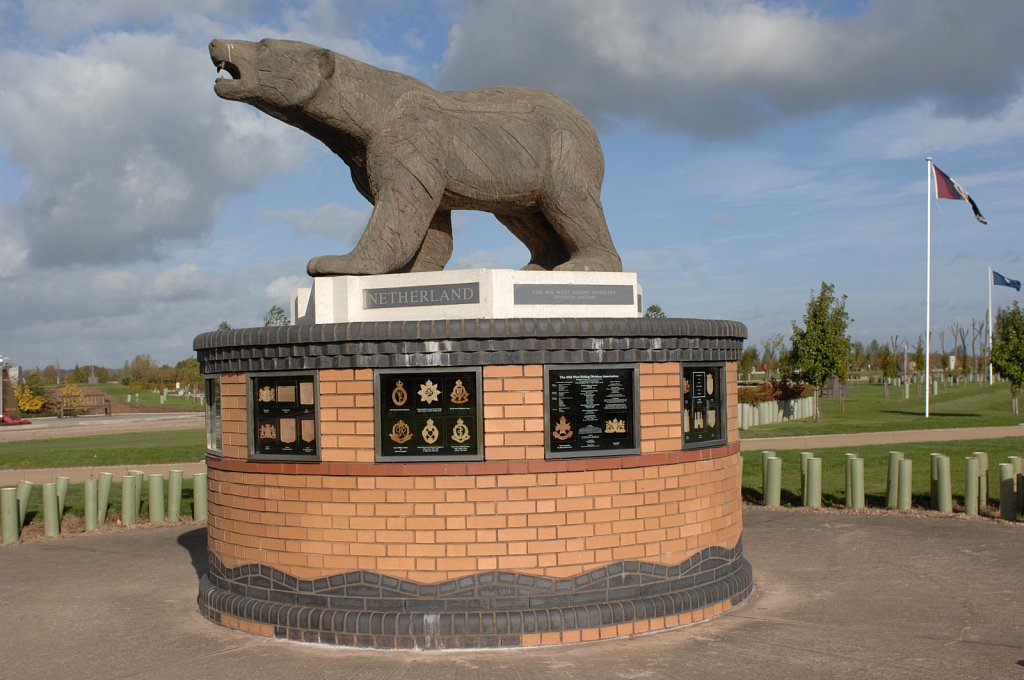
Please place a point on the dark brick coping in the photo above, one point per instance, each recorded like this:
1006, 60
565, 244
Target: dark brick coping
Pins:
488, 609
468, 342
497, 467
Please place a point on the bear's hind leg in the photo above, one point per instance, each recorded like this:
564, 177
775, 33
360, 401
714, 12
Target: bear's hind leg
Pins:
546, 248
436, 249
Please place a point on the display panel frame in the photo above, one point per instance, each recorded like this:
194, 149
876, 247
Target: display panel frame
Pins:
284, 426
704, 414
434, 415
567, 433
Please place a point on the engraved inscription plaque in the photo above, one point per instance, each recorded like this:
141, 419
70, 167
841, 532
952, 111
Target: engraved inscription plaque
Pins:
283, 416
422, 296
429, 415
591, 411
571, 294
703, 405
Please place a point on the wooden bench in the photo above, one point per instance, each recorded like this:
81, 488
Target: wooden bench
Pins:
76, 404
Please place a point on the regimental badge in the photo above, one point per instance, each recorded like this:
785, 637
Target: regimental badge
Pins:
698, 420
686, 420
712, 417
268, 431
460, 433
428, 392
686, 385
400, 433
710, 383
399, 395
266, 393
430, 432
563, 429
615, 426
459, 395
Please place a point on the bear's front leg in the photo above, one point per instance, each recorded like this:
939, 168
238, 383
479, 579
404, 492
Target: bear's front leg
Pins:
406, 177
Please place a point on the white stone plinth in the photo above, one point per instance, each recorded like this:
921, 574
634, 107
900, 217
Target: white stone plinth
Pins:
468, 294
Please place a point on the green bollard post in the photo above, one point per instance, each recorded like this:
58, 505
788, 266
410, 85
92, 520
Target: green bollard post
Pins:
128, 500
24, 493
1007, 496
804, 456
174, 495
906, 478
944, 486
103, 496
933, 492
857, 482
848, 497
62, 494
200, 496
156, 499
892, 486
813, 499
765, 455
773, 485
9, 528
971, 485
982, 479
89, 496
51, 520
141, 479
1018, 468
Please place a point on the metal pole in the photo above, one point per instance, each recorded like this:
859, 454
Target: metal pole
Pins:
199, 495
91, 488
51, 520
9, 515
928, 297
944, 486
990, 371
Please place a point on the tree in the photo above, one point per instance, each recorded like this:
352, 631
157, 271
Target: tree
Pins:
188, 374
772, 349
224, 326
821, 349
748, 361
1008, 350
654, 312
276, 317
889, 368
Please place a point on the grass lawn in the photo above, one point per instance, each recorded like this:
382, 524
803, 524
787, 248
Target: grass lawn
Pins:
964, 405
876, 470
113, 449
149, 398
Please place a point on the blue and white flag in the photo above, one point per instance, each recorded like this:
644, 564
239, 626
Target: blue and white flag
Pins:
1000, 280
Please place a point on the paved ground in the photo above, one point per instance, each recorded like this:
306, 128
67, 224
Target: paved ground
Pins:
84, 426
837, 595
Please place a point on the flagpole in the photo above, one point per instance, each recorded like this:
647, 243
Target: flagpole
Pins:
990, 376
928, 299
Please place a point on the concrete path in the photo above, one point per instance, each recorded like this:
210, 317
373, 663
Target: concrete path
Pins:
826, 441
838, 594
85, 426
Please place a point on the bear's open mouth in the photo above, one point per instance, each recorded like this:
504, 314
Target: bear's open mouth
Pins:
228, 68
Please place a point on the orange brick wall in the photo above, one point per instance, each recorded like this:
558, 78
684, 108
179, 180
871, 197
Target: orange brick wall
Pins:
514, 511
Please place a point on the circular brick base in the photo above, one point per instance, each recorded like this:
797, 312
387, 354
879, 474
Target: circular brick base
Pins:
512, 550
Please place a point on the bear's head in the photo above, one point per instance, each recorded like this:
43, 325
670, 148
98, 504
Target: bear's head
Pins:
272, 75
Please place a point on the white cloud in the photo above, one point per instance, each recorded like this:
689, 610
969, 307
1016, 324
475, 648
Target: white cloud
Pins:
918, 130
721, 69
184, 282
333, 220
125, 149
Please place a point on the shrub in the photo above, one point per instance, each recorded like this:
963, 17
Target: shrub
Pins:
773, 390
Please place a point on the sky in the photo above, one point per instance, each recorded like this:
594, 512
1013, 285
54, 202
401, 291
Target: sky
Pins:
753, 150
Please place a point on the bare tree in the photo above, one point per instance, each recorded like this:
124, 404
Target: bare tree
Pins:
771, 352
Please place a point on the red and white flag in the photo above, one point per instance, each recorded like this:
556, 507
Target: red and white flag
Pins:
946, 187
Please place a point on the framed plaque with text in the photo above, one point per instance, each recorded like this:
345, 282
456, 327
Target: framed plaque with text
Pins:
704, 405
283, 413
591, 411
429, 414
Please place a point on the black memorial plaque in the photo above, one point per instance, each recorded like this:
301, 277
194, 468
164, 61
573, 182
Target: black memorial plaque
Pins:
591, 411
703, 405
429, 415
284, 417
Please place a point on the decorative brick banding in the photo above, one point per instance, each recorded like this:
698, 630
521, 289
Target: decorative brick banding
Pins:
512, 550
